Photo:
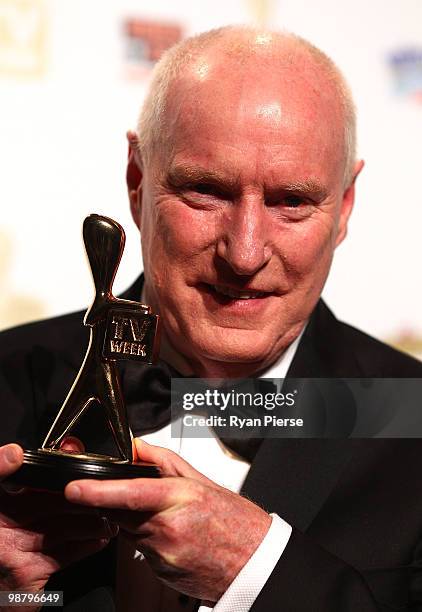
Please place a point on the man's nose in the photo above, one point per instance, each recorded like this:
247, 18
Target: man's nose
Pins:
244, 239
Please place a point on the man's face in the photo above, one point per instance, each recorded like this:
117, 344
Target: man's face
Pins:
241, 212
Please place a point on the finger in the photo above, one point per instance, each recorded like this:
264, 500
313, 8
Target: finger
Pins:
140, 494
168, 462
11, 459
72, 444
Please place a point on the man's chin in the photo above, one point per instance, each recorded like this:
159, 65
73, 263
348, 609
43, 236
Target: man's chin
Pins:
234, 353
214, 351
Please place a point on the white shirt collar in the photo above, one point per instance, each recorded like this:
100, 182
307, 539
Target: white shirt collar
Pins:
280, 367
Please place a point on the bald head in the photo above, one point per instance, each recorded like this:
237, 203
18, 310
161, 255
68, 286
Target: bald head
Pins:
255, 68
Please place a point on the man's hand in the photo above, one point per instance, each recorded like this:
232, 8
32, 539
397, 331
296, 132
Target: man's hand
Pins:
40, 532
196, 535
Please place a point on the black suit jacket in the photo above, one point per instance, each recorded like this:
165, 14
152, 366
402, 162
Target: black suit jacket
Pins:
355, 505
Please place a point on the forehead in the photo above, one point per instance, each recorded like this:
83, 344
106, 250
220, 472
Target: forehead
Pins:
256, 112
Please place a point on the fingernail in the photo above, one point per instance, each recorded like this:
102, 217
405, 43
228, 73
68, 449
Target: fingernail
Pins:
11, 455
74, 492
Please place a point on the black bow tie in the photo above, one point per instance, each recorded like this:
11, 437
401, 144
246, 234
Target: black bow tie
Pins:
147, 392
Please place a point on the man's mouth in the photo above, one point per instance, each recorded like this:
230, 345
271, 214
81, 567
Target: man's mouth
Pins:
227, 295
238, 294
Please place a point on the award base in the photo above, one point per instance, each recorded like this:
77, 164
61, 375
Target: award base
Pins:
52, 470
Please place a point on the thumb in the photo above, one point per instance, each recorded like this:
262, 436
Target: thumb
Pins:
11, 459
168, 462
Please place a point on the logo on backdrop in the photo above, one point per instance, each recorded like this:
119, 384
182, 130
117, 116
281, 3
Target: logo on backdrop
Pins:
261, 10
22, 37
145, 42
406, 69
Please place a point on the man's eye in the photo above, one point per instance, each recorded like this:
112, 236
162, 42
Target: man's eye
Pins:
293, 201
291, 206
289, 201
207, 189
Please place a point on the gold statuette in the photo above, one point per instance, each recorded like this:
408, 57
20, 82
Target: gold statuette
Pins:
119, 329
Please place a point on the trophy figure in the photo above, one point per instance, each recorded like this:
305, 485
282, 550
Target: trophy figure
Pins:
119, 329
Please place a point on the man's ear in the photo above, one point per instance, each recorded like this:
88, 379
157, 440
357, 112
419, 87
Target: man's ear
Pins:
134, 178
347, 204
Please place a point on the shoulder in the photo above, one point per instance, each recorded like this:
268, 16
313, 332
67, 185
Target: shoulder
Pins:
333, 348
379, 357
38, 362
62, 334
51, 334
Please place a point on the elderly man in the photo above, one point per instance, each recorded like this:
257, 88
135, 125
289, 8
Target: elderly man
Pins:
241, 180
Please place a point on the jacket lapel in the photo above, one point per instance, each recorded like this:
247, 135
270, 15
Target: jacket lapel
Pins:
324, 350
294, 477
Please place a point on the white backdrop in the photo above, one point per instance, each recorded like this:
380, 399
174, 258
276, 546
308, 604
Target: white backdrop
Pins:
63, 148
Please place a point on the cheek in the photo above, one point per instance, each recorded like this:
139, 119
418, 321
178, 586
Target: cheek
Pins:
180, 232
177, 244
309, 249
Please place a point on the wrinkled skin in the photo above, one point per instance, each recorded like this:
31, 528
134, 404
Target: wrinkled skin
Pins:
191, 530
246, 193
33, 542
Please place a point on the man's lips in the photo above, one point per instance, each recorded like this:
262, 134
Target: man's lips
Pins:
226, 294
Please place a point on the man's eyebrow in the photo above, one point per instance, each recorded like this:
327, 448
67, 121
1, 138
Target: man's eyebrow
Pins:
182, 174
309, 187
